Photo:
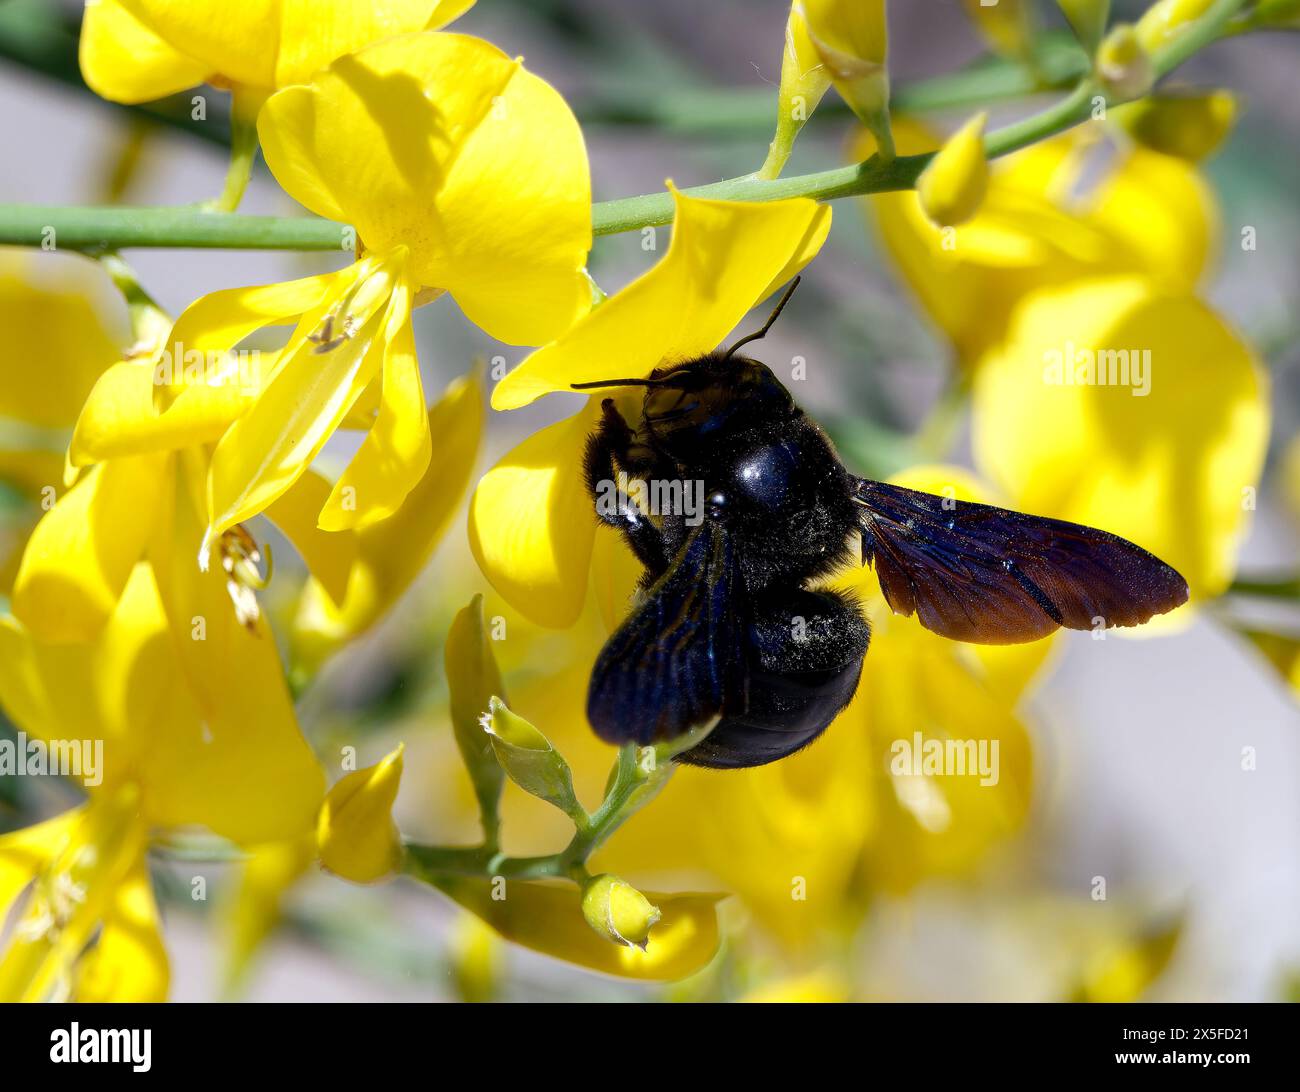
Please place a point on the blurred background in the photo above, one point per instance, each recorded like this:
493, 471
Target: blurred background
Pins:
1122, 759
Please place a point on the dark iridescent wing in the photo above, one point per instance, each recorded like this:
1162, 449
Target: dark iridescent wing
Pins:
973, 572
678, 660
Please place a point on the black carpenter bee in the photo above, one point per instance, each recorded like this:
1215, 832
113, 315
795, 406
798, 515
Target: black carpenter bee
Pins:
727, 627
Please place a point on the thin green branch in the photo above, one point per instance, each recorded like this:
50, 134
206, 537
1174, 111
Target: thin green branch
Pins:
99, 229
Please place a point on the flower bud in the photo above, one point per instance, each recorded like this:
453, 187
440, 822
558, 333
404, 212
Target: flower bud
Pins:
530, 760
804, 80
1087, 18
355, 833
852, 40
952, 186
472, 678
1124, 65
1164, 19
618, 911
1190, 126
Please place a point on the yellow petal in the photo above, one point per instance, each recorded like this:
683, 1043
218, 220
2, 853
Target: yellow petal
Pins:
120, 417
441, 143
263, 453
385, 558
232, 757
265, 877
1190, 125
312, 34
129, 962
723, 258
82, 552
58, 325
124, 61
355, 833
549, 920
214, 324
395, 453
1171, 468
240, 41
329, 557
531, 526
26, 851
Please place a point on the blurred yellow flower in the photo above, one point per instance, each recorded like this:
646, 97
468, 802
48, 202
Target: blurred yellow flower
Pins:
1161, 438
462, 173
1008, 25
1187, 124
169, 760
531, 526
136, 50
1166, 19
355, 833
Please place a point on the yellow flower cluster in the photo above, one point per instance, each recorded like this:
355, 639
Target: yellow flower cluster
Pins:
137, 596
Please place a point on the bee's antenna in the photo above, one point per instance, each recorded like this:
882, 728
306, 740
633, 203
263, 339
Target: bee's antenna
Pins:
770, 319
615, 383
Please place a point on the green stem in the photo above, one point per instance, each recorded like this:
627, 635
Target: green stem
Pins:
243, 149
630, 786
85, 228
1280, 587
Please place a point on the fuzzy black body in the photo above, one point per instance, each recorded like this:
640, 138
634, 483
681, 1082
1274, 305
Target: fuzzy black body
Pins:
728, 625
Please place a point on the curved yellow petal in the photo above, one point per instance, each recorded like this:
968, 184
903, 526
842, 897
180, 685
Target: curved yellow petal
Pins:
214, 324
227, 752
129, 961
384, 558
531, 526
1165, 452
441, 143
263, 453
723, 258
240, 41
549, 919
396, 451
124, 61
313, 33
82, 552
355, 833
120, 417
329, 557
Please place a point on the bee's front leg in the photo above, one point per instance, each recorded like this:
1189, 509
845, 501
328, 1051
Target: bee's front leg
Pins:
607, 448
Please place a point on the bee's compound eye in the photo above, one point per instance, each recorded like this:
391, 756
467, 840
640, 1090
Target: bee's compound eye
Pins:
717, 504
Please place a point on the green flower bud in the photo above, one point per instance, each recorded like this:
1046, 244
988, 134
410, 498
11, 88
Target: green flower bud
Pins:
472, 679
530, 760
618, 911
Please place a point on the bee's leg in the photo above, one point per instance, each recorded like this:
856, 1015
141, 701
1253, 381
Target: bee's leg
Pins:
614, 507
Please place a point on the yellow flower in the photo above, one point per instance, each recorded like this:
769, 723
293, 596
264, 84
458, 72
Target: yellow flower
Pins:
952, 185
531, 526
463, 173
170, 759
137, 50
1167, 455
355, 833
1166, 450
